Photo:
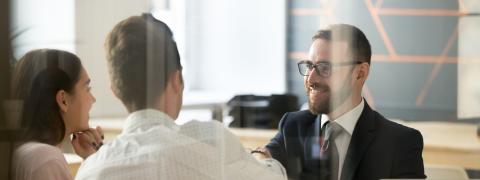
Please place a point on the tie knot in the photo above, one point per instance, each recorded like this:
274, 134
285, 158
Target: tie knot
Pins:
331, 130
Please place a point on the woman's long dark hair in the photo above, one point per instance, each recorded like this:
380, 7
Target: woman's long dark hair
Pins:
37, 78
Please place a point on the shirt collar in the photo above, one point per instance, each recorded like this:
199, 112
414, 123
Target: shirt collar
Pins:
349, 119
147, 118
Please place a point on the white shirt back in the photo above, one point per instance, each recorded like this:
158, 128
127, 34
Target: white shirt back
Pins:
152, 146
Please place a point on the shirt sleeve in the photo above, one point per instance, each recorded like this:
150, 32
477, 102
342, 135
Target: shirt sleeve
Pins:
242, 165
274, 165
276, 146
409, 161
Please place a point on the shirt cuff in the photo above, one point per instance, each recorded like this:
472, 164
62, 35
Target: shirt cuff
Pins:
275, 166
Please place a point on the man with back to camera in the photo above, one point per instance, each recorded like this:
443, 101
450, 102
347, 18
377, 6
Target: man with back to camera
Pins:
359, 142
145, 73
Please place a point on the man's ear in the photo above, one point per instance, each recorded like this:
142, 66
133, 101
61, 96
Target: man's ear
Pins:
363, 71
61, 98
177, 81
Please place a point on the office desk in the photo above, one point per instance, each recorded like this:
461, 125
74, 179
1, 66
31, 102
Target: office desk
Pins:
74, 162
444, 143
253, 138
216, 102
450, 143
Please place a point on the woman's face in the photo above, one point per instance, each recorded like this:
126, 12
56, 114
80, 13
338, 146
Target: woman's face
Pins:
79, 103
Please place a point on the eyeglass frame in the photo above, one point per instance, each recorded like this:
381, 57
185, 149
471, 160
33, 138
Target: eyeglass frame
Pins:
317, 70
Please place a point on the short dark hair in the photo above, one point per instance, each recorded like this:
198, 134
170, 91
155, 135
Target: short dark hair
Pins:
37, 78
358, 44
141, 55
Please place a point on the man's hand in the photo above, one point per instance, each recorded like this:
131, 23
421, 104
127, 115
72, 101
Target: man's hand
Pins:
261, 153
87, 142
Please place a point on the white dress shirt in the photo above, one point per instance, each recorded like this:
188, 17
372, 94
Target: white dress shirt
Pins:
152, 146
347, 121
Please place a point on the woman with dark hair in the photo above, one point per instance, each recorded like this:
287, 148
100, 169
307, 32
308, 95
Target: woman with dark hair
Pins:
54, 88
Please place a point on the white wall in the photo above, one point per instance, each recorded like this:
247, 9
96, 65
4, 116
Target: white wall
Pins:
44, 24
236, 46
94, 20
469, 63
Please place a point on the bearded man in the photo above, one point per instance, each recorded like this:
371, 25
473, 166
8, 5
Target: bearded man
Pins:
359, 142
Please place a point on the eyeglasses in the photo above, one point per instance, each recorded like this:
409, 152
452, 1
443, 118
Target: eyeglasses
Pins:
323, 68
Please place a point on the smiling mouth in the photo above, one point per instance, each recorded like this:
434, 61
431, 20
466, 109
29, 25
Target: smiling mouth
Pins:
316, 88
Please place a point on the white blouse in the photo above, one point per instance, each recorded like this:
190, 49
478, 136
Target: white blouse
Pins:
39, 161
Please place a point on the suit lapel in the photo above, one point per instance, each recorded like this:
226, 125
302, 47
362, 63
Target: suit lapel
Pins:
306, 130
305, 125
362, 136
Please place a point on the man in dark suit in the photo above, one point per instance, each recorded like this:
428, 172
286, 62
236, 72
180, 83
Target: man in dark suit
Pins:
340, 126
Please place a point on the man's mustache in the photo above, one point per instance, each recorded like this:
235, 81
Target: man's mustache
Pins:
318, 87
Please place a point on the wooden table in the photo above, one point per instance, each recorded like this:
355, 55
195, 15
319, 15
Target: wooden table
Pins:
74, 162
253, 138
444, 143
450, 143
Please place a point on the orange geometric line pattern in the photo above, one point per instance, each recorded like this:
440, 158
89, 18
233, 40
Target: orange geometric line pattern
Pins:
418, 12
388, 58
437, 67
376, 11
307, 11
330, 9
378, 4
461, 6
440, 60
381, 29
412, 59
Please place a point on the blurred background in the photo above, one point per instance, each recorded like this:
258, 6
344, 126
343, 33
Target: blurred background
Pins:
240, 56
422, 50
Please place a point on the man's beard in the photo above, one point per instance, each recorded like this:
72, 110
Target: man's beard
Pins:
333, 101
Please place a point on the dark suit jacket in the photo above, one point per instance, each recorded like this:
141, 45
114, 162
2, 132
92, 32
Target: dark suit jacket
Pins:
379, 148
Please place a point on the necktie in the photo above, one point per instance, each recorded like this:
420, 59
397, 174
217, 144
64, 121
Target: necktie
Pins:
331, 130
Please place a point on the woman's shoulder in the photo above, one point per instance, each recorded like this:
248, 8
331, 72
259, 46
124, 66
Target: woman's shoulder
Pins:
37, 154
34, 160
39, 149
